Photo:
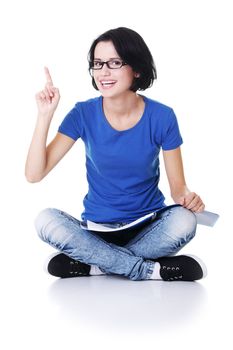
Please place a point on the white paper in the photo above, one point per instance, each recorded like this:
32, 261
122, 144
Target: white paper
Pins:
206, 218
93, 226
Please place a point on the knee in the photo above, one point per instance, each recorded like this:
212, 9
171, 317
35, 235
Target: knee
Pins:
185, 224
44, 220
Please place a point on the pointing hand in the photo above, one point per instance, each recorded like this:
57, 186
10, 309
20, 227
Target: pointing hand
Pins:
48, 98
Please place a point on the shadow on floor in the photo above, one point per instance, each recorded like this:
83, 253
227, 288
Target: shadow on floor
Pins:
112, 302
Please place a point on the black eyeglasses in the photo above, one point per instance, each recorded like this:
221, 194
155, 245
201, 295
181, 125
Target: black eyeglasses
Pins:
111, 64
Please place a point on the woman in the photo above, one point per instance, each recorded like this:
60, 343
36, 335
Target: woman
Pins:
123, 133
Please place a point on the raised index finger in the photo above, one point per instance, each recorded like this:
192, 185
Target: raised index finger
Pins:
48, 76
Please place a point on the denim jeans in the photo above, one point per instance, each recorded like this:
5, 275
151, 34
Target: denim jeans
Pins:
131, 252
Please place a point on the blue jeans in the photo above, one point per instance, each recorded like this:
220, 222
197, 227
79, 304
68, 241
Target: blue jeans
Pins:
128, 253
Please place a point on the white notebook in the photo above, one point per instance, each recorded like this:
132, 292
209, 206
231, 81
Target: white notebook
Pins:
93, 226
204, 218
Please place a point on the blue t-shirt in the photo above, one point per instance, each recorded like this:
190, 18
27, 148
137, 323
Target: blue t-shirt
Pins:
122, 166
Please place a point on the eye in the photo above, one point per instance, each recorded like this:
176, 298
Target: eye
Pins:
115, 63
97, 64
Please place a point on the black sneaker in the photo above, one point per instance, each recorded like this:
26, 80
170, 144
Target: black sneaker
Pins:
182, 268
60, 265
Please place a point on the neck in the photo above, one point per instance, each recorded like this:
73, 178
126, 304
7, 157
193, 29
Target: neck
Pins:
119, 106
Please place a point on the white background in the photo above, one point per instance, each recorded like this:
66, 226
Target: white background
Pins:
191, 42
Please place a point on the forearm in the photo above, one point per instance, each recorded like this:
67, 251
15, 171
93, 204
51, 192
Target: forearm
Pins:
178, 188
36, 159
175, 173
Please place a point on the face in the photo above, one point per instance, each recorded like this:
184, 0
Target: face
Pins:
111, 82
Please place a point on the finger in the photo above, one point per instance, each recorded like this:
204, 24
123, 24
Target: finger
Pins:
194, 202
47, 94
197, 206
191, 200
42, 95
49, 91
38, 95
181, 201
55, 92
48, 76
199, 209
188, 199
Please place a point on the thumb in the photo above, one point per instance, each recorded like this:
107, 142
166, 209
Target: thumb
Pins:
181, 201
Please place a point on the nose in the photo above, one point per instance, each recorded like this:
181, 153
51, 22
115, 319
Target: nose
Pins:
105, 70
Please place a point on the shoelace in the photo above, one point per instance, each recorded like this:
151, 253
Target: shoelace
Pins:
77, 268
171, 273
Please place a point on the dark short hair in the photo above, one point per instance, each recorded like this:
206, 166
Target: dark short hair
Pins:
133, 50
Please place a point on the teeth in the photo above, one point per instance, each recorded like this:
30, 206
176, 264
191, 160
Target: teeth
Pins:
107, 82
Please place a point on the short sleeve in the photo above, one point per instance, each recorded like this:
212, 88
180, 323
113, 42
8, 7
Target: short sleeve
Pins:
171, 137
70, 125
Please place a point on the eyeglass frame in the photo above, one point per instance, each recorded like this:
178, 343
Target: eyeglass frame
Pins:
123, 63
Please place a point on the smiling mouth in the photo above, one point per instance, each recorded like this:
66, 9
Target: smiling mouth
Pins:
107, 83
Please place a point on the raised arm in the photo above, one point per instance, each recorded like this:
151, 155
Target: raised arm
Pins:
41, 158
179, 190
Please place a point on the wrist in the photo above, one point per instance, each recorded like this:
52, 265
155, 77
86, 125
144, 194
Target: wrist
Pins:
45, 115
43, 123
179, 193
44, 120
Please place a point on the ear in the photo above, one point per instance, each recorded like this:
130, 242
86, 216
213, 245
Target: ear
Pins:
136, 75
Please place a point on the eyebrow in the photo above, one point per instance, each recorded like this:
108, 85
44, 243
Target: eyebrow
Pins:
112, 58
